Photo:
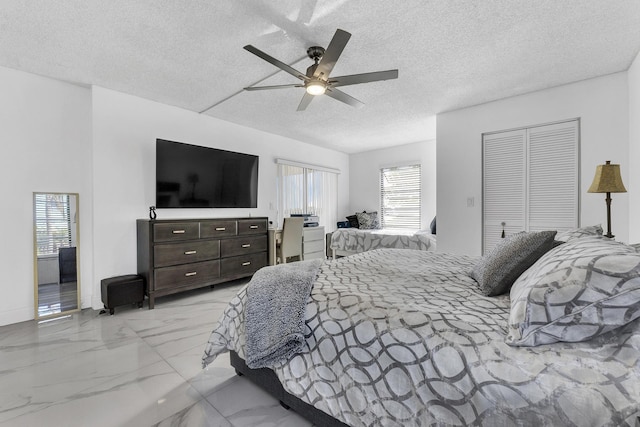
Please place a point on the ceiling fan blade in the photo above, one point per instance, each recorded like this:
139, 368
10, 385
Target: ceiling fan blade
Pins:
270, 59
271, 87
343, 97
306, 100
355, 79
332, 53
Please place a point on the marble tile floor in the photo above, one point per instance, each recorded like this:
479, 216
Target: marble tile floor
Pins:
139, 367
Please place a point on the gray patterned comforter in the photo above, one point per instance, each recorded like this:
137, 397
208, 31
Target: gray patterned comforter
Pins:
356, 240
401, 337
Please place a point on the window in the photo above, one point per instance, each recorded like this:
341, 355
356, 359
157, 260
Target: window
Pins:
53, 223
400, 197
307, 189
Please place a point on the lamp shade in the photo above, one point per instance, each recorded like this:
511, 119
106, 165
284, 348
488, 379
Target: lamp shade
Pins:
607, 179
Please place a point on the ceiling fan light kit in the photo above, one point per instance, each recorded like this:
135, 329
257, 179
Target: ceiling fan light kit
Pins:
316, 87
316, 79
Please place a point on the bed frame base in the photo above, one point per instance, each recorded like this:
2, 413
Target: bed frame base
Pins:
267, 380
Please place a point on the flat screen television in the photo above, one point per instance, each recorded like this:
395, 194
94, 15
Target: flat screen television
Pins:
191, 176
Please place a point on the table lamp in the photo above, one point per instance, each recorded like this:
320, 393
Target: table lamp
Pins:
607, 180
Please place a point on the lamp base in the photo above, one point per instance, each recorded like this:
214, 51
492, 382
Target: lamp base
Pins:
608, 201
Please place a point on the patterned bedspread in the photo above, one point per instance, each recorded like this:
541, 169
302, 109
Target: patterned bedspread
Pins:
356, 240
400, 337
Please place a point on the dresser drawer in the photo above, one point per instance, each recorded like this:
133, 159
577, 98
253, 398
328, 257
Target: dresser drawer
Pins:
243, 265
314, 255
186, 275
243, 245
313, 233
252, 226
313, 246
218, 228
185, 252
174, 231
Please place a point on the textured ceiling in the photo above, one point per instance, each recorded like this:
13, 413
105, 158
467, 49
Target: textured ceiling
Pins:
450, 54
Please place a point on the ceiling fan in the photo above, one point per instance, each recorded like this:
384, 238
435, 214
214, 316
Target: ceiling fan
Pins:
316, 80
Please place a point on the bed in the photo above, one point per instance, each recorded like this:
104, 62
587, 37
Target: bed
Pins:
407, 337
349, 241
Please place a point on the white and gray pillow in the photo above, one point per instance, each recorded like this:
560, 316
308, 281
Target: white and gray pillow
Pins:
577, 233
577, 291
498, 269
368, 220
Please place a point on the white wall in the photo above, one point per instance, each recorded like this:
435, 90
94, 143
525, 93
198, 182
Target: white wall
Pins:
125, 129
602, 106
108, 139
633, 182
105, 142
365, 176
46, 147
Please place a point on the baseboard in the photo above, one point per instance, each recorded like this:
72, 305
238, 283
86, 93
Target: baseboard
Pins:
16, 315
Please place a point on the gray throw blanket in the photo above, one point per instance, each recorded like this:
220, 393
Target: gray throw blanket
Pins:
274, 317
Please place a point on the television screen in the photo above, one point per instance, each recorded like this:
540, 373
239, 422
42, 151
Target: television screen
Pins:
191, 176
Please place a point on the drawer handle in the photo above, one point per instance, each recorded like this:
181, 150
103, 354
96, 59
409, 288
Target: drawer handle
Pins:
178, 232
221, 228
193, 273
246, 263
246, 245
253, 226
190, 252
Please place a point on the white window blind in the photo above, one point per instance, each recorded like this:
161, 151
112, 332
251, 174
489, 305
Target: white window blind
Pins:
530, 180
53, 223
305, 190
400, 196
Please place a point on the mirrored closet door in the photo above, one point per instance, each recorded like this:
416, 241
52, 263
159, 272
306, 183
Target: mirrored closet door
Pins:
56, 248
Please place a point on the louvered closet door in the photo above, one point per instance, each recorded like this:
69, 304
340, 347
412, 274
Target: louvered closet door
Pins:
553, 177
504, 178
530, 180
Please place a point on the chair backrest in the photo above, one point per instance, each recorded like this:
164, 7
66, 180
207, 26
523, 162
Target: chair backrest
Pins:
67, 264
292, 237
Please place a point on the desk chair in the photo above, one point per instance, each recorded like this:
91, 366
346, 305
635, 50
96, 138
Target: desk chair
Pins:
291, 245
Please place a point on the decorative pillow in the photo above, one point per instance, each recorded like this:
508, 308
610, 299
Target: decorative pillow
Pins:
498, 269
353, 221
433, 226
575, 292
577, 233
368, 220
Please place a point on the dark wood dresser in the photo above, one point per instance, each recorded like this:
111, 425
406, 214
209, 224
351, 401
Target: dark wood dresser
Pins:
181, 254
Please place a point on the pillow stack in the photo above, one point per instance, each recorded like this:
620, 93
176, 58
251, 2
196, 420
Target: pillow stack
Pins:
364, 220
